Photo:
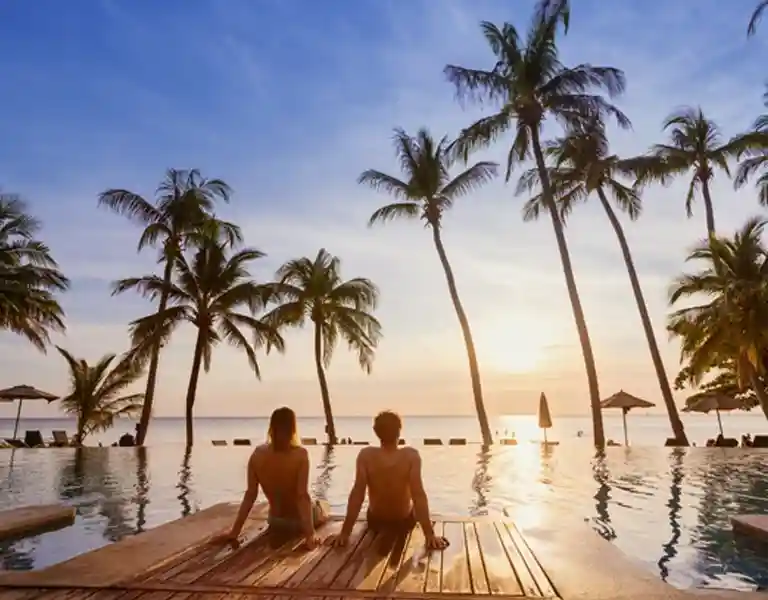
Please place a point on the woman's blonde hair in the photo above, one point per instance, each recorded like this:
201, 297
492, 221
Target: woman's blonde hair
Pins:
283, 433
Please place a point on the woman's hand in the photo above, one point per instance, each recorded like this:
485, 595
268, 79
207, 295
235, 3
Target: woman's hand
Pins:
312, 541
226, 539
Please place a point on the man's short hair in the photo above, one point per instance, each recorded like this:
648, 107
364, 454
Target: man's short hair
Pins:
387, 426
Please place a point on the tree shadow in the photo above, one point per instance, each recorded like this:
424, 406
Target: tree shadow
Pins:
142, 488
185, 474
322, 482
602, 496
481, 483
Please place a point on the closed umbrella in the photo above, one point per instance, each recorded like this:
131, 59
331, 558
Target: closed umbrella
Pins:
545, 419
625, 402
21, 393
708, 401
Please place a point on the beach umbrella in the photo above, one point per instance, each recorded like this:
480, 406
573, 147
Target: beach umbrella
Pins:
545, 419
21, 393
708, 401
625, 402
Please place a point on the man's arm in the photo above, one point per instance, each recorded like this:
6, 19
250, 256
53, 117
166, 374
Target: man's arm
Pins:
420, 502
356, 495
303, 499
251, 493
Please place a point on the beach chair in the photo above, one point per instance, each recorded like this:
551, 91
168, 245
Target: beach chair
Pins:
14, 443
508, 442
401, 442
34, 439
457, 442
60, 439
241, 442
760, 441
309, 441
219, 442
433, 442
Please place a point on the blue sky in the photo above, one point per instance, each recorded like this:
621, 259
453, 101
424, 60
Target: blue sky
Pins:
289, 102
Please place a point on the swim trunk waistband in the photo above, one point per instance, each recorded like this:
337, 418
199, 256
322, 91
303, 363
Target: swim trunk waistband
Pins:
405, 524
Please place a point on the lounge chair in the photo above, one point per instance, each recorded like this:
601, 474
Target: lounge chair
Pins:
14, 443
760, 441
457, 442
241, 442
219, 442
60, 439
433, 442
309, 441
34, 439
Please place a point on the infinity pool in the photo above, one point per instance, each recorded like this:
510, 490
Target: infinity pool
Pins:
668, 510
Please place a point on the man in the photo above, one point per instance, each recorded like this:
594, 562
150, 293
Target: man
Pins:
392, 477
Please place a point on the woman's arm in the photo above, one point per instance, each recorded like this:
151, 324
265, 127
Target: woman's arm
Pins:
249, 498
303, 500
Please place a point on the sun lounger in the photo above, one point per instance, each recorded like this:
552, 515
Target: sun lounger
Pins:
14, 443
760, 441
241, 442
508, 442
457, 442
60, 439
219, 442
433, 442
309, 441
34, 439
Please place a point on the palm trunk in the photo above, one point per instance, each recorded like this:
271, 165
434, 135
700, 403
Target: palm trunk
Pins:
154, 361
474, 369
708, 208
192, 389
757, 386
573, 293
330, 427
661, 374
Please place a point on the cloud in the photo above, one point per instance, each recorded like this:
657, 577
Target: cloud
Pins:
289, 114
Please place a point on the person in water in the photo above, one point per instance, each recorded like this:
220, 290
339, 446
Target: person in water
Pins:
392, 477
281, 468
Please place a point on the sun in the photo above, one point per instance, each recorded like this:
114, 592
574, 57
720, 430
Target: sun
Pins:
513, 344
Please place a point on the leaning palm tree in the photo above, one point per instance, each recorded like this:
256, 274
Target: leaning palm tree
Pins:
753, 156
180, 215
209, 288
529, 83
731, 321
695, 147
582, 166
755, 18
426, 192
312, 290
98, 392
29, 277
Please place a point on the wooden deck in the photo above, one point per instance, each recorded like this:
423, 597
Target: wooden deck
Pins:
26, 521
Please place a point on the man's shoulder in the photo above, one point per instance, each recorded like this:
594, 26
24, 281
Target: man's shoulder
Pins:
410, 452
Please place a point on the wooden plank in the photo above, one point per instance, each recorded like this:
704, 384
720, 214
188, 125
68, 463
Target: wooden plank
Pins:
290, 546
413, 572
455, 578
498, 568
542, 581
435, 566
241, 563
524, 576
335, 561
478, 580
385, 556
26, 521
298, 559
388, 580
753, 526
123, 560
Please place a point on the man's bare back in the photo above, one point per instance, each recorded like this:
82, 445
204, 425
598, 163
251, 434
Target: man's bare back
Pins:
388, 473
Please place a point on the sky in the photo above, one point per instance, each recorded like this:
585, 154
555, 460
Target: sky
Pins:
289, 101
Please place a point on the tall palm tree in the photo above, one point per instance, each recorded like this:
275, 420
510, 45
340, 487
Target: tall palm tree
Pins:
29, 277
208, 289
695, 147
425, 193
582, 166
312, 290
98, 392
753, 155
530, 83
731, 323
755, 18
181, 214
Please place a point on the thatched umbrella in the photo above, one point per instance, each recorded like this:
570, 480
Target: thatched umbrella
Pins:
545, 419
21, 393
625, 402
708, 401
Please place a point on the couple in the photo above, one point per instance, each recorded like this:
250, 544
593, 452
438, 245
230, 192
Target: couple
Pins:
390, 474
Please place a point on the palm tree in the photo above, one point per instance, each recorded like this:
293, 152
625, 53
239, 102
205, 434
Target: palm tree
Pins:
582, 166
29, 277
426, 192
530, 83
207, 290
755, 18
312, 289
180, 215
696, 147
97, 395
732, 323
754, 146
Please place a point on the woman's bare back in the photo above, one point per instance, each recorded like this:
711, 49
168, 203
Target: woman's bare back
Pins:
278, 475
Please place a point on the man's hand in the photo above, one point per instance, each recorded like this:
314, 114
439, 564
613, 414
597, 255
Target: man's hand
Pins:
436, 542
338, 540
225, 539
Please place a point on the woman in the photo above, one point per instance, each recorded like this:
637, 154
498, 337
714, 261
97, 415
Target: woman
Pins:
281, 468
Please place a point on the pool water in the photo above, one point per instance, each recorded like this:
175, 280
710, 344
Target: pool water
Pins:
667, 509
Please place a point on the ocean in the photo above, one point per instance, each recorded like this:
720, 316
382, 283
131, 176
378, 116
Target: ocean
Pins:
644, 429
